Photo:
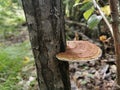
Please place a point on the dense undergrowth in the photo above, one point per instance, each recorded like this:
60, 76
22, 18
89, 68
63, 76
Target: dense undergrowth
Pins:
13, 57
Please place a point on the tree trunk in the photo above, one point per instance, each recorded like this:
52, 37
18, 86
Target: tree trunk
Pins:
116, 32
46, 30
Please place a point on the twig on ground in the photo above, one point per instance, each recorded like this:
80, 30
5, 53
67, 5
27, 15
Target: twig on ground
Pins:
75, 22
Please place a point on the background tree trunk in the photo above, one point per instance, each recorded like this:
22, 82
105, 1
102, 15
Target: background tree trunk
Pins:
46, 29
116, 32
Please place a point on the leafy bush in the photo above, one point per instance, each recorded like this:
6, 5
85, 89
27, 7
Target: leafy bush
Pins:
84, 11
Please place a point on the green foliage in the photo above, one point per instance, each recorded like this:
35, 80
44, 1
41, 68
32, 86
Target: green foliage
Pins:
93, 21
86, 6
88, 13
85, 9
11, 16
11, 63
68, 7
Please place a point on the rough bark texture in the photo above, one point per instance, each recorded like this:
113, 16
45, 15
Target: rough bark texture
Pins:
116, 32
46, 29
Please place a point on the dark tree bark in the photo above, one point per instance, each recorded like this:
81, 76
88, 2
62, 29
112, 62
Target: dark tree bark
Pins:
46, 30
116, 32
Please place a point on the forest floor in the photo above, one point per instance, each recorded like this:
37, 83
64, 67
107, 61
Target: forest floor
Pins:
90, 75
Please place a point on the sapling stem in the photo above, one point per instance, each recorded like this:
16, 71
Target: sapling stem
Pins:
103, 16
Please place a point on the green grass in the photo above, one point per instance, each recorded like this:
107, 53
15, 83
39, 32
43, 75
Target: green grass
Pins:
12, 56
11, 63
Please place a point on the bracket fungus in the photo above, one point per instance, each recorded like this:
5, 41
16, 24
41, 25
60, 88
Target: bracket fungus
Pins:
80, 51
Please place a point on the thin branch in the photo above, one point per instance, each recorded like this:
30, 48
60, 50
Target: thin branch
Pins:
75, 22
103, 16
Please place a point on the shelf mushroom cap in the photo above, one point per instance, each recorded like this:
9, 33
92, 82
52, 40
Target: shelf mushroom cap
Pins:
80, 51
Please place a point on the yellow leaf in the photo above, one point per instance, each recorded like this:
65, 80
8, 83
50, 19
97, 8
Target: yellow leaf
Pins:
26, 59
103, 38
106, 10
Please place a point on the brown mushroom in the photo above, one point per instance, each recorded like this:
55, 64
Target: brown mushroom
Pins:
80, 51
